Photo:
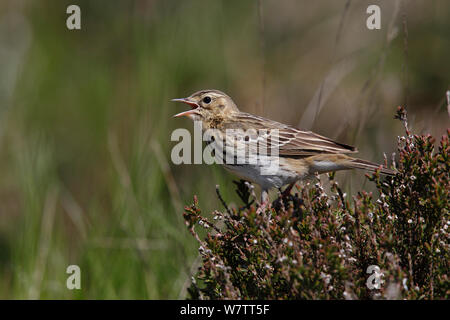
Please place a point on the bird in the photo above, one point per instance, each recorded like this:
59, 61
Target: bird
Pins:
300, 154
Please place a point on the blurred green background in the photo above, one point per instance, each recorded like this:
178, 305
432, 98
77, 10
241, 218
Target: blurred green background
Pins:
86, 118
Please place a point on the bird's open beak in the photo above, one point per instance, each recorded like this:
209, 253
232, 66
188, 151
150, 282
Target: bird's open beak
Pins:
194, 105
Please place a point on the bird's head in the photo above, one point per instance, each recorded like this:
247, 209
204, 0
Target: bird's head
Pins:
207, 104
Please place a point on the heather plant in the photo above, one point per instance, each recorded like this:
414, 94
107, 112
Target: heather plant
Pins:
324, 245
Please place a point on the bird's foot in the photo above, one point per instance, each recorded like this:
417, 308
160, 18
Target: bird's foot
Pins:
262, 208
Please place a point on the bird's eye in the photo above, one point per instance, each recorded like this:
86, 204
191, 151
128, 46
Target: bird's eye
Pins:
207, 99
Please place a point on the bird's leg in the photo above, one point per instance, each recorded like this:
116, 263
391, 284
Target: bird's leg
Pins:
287, 191
264, 201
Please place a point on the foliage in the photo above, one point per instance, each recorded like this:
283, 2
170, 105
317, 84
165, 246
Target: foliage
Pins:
311, 245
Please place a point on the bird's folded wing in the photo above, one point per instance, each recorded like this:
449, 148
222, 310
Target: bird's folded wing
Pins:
289, 140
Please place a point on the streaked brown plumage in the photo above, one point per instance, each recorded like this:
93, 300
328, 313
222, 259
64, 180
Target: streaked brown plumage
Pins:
301, 153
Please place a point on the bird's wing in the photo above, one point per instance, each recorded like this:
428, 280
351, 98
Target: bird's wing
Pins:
290, 141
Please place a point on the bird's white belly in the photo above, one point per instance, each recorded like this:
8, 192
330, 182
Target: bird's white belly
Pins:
266, 180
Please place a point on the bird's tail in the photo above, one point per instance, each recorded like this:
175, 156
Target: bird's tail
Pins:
367, 165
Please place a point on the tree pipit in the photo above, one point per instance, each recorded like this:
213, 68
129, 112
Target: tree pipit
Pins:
241, 141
